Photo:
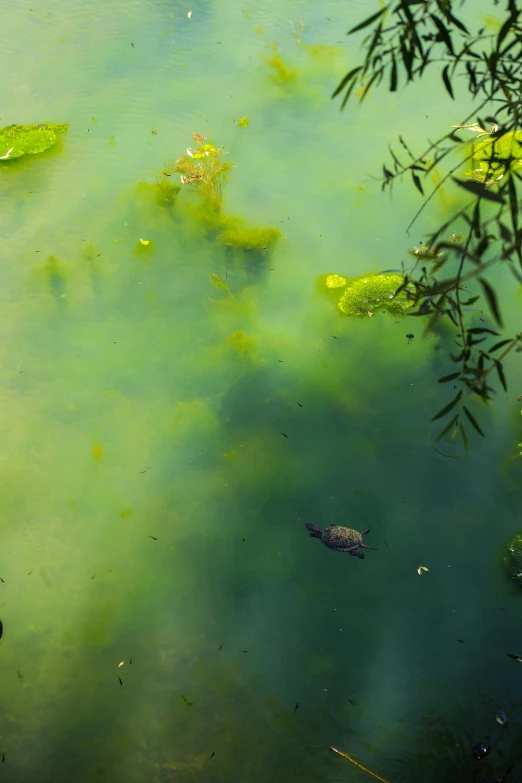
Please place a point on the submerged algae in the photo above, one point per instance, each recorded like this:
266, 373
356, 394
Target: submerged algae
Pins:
249, 239
365, 295
492, 157
203, 168
19, 140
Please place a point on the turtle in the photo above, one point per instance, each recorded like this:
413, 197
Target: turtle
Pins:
342, 539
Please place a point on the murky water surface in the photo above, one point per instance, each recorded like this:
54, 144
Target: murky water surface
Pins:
164, 609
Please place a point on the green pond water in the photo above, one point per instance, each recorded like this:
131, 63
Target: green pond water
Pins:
151, 510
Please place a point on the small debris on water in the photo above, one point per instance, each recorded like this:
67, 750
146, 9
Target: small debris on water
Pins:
212, 756
410, 337
1, 629
462, 641
119, 678
284, 435
296, 706
501, 716
187, 702
299, 404
517, 658
420, 569
221, 646
153, 537
120, 664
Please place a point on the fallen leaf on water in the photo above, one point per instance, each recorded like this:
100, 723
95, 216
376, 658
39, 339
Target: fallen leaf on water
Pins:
144, 241
420, 569
189, 14
190, 153
120, 664
243, 122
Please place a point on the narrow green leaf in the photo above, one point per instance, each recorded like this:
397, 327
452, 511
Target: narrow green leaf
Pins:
448, 407
481, 330
447, 428
499, 345
393, 75
346, 79
504, 30
500, 373
491, 296
443, 33
478, 189
447, 81
463, 436
505, 233
367, 21
417, 183
450, 377
473, 421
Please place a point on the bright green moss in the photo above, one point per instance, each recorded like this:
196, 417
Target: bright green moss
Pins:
249, 239
335, 281
370, 293
18, 140
513, 559
491, 157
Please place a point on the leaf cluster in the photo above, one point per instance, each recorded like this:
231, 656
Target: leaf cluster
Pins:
450, 278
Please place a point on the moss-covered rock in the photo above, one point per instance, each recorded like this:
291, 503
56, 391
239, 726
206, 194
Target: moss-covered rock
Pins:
18, 140
512, 558
373, 292
492, 157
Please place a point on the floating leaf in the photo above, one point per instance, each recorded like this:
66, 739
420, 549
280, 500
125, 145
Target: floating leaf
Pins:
420, 569
243, 122
120, 664
144, 241
189, 14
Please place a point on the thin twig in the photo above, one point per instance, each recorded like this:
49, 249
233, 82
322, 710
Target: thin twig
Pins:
359, 765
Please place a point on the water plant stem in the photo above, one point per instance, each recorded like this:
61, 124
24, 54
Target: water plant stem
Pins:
359, 765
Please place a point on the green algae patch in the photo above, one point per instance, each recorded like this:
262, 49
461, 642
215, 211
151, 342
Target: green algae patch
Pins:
374, 292
335, 281
164, 193
241, 343
19, 140
204, 168
492, 157
243, 122
512, 559
249, 240
280, 72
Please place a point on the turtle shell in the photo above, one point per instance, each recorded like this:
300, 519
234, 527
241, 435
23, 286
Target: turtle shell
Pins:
341, 538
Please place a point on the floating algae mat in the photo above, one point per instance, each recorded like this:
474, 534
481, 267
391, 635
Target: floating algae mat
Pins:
367, 294
493, 156
19, 140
